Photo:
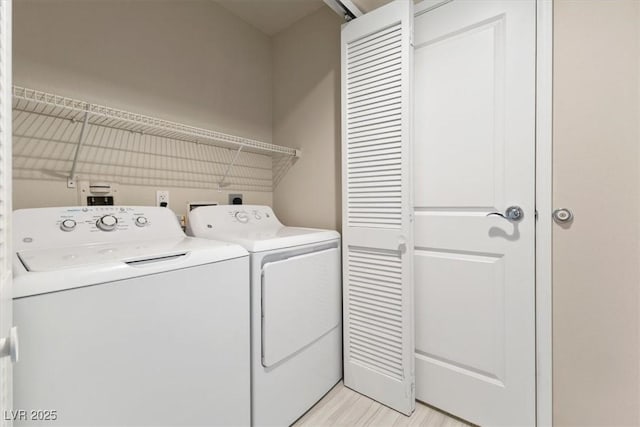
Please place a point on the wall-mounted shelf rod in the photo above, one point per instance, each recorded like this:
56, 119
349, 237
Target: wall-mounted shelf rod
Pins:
71, 179
221, 184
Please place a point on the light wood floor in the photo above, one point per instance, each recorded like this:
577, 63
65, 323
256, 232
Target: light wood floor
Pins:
344, 407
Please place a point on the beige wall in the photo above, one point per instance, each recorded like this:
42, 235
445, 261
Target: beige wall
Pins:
193, 62
189, 61
597, 175
306, 114
41, 193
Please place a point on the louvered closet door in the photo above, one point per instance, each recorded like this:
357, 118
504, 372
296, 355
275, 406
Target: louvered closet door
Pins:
6, 255
377, 231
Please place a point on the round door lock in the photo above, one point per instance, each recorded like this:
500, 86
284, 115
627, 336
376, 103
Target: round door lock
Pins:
562, 216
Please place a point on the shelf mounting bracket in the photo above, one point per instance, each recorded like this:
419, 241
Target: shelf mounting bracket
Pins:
71, 179
222, 184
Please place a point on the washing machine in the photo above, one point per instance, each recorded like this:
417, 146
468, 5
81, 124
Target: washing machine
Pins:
296, 307
124, 320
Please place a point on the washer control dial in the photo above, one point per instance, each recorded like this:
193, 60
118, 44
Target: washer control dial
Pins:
68, 225
107, 223
242, 217
142, 221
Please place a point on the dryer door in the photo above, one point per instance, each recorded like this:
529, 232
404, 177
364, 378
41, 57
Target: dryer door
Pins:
301, 302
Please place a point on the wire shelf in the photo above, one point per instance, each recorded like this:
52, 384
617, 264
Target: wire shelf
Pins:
55, 135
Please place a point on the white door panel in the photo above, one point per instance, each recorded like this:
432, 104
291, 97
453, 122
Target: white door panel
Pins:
474, 154
468, 335
377, 229
460, 81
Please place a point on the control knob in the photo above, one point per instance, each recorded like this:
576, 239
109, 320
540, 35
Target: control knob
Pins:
107, 223
242, 217
142, 221
68, 225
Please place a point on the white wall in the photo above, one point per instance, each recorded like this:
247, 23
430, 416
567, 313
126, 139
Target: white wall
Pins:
187, 61
306, 114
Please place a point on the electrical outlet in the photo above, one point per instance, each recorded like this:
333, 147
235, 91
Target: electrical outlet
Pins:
162, 198
235, 199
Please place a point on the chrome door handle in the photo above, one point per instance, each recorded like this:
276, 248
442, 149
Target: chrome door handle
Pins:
512, 213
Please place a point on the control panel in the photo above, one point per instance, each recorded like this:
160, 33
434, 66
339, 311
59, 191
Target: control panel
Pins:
247, 218
88, 224
103, 218
252, 214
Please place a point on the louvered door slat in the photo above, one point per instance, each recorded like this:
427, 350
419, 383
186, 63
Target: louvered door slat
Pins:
372, 75
388, 341
367, 40
387, 136
373, 102
372, 118
374, 176
374, 129
377, 70
372, 53
376, 92
375, 321
377, 234
377, 81
366, 44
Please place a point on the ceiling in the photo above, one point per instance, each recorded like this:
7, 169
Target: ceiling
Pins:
368, 5
273, 16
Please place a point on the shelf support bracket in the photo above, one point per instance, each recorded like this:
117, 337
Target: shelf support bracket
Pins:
222, 184
71, 180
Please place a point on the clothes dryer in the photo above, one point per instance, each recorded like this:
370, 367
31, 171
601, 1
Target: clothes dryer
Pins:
296, 307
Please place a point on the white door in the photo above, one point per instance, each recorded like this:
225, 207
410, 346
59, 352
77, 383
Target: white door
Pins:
377, 229
474, 155
8, 343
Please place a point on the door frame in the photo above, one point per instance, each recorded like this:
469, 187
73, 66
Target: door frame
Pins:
544, 223
543, 203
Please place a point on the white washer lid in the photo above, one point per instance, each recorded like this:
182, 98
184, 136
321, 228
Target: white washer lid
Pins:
41, 271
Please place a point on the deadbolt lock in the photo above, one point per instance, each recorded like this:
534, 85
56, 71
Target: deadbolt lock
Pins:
562, 216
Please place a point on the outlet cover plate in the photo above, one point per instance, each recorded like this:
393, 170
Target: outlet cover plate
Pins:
162, 196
